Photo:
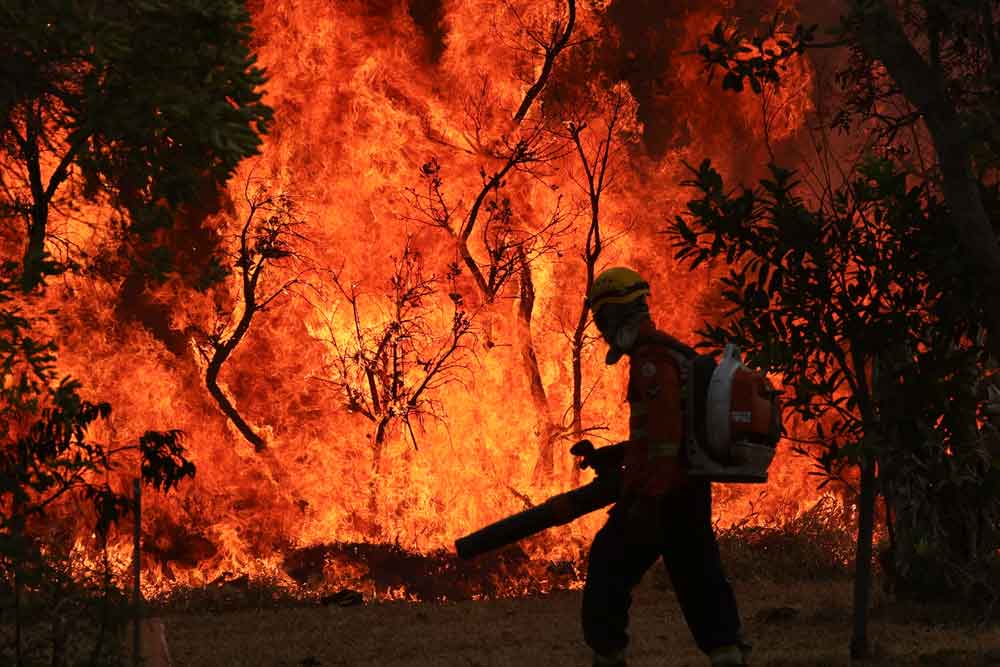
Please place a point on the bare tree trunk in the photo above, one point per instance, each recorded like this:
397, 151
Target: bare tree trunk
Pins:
378, 449
577, 351
558, 44
35, 249
867, 392
106, 606
211, 381
860, 647
545, 464
18, 585
34, 253
137, 575
577, 407
578, 336
593, 247
890, 558
18, 529
261, 242
591, 254
219, 357
41, 195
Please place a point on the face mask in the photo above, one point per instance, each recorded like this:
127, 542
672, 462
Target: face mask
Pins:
622, 341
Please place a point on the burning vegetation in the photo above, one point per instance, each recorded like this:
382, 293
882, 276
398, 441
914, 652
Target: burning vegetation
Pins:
334, 261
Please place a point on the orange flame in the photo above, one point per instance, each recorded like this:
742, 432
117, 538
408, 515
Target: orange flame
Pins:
364, 94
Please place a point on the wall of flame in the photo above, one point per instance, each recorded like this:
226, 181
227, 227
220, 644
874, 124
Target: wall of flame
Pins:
365, 92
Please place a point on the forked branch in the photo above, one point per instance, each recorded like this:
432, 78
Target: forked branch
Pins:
266, 239
389, 372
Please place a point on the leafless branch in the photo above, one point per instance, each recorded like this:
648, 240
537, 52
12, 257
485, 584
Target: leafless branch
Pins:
552, 46
389, 370
267, 239
610, 130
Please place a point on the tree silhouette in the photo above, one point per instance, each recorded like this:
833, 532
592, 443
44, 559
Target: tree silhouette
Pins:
599, 135
863, 309
395, 361
110, 103
265, 241
523, 145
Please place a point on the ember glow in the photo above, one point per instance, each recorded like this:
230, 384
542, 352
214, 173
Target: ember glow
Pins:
366, 94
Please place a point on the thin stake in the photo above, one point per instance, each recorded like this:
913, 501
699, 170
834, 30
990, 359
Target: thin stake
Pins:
137, 569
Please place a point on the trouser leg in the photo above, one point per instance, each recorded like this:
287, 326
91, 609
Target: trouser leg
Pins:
691, 555
613, 571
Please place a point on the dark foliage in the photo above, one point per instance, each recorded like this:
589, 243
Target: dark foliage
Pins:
865, 308
152, 104
52, 475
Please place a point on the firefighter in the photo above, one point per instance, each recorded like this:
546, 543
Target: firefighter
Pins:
661, 511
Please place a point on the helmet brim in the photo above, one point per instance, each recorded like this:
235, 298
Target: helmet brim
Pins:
629, 297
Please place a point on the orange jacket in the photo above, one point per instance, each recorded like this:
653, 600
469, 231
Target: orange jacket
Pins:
653, 453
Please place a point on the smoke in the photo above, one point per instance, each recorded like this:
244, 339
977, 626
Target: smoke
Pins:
429, 17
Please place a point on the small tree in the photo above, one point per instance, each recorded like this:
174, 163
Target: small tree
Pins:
600, 123
510, 246
523, 143
856, 304
392, 365
266, 241
47, 464
112, 99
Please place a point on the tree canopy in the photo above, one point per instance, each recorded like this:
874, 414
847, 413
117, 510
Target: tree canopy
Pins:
145, 108
149, 103
875, 297
917, 74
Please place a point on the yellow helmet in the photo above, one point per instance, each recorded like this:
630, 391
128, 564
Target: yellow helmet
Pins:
616, 285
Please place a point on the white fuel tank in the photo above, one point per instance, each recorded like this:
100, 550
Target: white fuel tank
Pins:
721, 455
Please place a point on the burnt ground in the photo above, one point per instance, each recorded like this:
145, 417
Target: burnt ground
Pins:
789, 623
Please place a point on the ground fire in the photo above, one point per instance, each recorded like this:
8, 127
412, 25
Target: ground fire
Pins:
372, 335
319, 307
391, 360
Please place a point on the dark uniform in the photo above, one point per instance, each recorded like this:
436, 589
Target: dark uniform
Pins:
662, 513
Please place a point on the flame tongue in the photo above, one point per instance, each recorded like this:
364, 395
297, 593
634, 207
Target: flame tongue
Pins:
365, 94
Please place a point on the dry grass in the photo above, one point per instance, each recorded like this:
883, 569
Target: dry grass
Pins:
791, 582
791, 623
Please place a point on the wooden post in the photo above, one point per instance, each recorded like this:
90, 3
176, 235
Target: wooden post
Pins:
19, 658
137, 570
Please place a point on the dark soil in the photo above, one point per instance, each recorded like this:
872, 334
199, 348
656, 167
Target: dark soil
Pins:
789, 623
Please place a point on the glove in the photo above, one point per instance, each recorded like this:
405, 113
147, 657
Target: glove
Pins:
604, 460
